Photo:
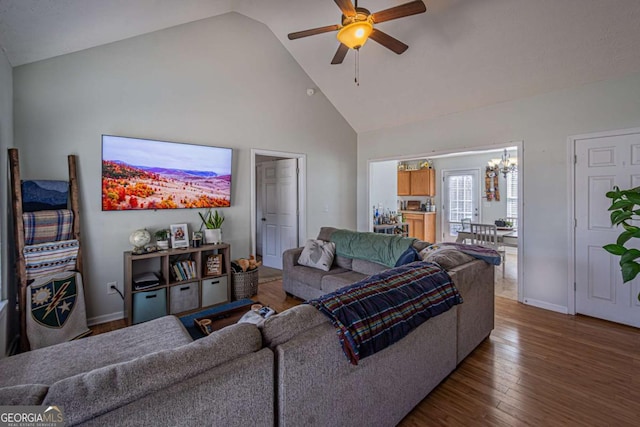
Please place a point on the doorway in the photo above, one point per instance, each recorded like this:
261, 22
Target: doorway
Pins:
278, 217
465, 164
460, 200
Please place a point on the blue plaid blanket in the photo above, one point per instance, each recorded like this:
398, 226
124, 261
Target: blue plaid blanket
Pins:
382, 309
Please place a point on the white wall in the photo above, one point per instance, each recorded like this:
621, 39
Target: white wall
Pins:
6, 141
223, 81
384, 186
543, 122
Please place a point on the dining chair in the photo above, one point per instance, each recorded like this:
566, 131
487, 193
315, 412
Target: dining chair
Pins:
487, 235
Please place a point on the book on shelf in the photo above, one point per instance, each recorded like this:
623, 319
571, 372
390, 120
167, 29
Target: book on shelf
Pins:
184, 270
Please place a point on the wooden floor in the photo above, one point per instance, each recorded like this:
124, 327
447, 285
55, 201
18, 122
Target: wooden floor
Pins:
537, 368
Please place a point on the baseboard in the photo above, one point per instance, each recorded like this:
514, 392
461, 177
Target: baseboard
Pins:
105, 318
546, 305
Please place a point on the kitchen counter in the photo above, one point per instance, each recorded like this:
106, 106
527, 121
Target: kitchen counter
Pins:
416, 212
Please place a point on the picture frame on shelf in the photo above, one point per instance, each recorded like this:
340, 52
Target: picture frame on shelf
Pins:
213, 266
179, 236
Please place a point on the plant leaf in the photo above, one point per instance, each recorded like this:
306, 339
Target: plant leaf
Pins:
624, 238
629, 255
633, 197
620, 216
620, 204
630, 228
629, 271
615, 249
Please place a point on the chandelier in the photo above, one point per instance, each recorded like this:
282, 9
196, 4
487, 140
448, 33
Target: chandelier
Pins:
505, 164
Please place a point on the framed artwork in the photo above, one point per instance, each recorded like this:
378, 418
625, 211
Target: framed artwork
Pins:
213, 267
179, 236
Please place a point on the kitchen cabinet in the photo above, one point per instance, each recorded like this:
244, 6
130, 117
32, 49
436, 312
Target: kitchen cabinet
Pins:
422, 225
404, 183
421, 182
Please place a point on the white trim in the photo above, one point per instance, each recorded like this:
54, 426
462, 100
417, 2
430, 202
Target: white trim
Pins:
546, 305
105, 318
571, 199
370, 220
464, 151
302, 193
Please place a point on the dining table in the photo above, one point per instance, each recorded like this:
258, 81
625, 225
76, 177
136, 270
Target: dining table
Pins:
506, 236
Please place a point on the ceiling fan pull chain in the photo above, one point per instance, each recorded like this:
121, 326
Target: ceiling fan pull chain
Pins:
357, 71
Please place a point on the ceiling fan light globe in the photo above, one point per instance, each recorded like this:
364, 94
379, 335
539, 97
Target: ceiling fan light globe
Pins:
355, 35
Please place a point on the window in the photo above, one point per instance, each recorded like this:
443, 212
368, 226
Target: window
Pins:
460, 201
512, 196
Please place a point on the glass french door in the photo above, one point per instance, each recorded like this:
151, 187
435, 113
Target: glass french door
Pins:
461, 194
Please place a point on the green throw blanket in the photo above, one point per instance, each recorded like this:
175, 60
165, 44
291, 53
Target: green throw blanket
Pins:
381, 248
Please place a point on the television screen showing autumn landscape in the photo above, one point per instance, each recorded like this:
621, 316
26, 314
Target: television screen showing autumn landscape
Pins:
149, 174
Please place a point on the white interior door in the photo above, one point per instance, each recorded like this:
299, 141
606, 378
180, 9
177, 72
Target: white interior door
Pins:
280, 210
602, 163
460, 190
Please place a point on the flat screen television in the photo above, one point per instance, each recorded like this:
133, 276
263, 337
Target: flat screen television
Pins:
149, 174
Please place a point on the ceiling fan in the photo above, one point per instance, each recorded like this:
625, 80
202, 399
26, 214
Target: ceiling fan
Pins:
358, 26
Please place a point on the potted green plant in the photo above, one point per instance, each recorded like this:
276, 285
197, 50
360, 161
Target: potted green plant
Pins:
625, 207
162, 238
212, 223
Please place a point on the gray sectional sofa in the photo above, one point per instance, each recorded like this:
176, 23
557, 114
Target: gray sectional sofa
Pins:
317, 386
150, 374
288, 371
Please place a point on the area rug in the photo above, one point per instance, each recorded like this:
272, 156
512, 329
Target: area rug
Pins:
194, 330
267, 274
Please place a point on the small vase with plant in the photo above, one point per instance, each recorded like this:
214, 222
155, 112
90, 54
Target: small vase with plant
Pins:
625, 208
162, 238
212, 221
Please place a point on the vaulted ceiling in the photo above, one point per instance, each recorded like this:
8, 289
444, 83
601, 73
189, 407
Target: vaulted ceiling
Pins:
463, 54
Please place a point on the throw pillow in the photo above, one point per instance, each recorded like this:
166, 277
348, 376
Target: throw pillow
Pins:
408, 256
446, 258
318, 254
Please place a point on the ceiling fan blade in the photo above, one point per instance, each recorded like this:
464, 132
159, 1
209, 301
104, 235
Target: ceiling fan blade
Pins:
346, 7
407, 9
387, 41
340, 54
313, 32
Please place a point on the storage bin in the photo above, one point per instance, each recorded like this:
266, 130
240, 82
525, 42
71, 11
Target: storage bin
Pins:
214, 291
245, 284
183, 297
149, 305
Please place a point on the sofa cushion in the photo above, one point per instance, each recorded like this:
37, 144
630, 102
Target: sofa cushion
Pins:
367, 267
280, 328
318, 254
86, 395
343, 262
334, 282
311, 276
24, 394
34, 367
446, 258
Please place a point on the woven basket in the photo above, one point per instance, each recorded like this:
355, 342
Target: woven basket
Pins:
245, 284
